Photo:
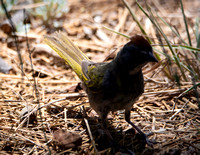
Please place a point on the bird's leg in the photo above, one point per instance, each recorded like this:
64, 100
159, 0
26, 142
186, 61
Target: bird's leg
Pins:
104, 126
127, 118
111, 141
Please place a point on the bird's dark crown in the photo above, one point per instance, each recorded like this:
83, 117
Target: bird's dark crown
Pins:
140, 42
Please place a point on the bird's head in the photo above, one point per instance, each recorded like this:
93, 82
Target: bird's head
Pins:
136, 53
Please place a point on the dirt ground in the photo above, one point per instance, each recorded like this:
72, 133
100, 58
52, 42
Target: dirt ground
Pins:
55, 99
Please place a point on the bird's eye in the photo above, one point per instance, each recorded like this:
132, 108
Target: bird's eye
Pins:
143, 52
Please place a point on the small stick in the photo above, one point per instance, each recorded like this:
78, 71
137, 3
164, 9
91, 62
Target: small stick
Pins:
65, 114
29, 140
90, 133
69, 96
142, 111
178, 111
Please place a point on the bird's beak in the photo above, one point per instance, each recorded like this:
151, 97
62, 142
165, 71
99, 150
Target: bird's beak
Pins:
152, 58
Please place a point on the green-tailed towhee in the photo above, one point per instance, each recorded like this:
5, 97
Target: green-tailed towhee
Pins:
110, 86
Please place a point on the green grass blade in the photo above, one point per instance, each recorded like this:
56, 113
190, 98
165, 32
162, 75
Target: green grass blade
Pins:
154, 22
186, 24
136, 20
186, 91
119, 33
197, 33
176, 33
187, 47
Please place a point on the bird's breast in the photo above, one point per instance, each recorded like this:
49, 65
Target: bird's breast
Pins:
117, 93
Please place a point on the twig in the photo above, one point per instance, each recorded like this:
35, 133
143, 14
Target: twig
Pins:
164, 91
90, 134
68, 96
29, 140
153, 80
142, 111
35, 84
178, 111
15, 36
40, 107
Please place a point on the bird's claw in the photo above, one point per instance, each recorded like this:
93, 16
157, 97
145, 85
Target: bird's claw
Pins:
149, 142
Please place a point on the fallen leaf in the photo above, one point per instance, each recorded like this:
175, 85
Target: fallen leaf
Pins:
66, 139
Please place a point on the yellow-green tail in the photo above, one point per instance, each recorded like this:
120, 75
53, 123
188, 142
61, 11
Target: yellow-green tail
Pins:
66, 49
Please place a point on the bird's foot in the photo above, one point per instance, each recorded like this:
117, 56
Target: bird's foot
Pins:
116, 148
148, 141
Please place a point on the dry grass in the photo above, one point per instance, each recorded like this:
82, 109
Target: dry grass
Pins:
172, 118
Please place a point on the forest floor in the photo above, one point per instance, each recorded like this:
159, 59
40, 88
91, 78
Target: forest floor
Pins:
52, 92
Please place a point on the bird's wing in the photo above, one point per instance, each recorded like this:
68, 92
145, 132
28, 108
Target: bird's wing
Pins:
94, 72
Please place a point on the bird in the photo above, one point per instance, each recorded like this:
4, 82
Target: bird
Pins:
110, 86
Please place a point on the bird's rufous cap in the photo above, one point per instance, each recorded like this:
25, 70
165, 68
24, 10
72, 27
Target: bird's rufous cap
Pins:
140, 42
